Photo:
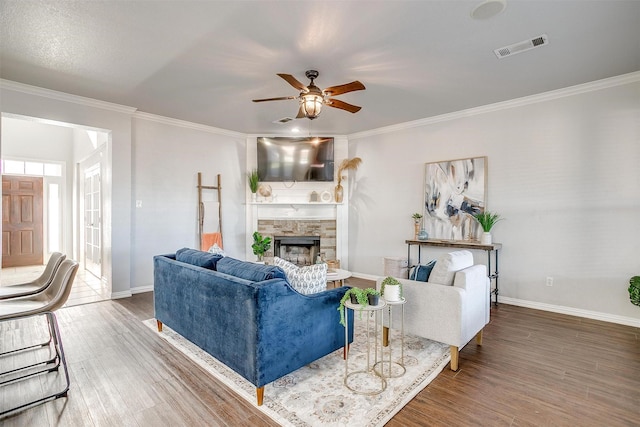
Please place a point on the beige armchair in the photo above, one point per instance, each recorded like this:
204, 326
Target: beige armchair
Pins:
452, 312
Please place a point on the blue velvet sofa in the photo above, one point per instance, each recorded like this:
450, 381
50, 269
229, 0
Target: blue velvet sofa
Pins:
246, 315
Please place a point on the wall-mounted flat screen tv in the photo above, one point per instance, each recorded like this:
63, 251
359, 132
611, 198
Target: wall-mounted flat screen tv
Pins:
295, 159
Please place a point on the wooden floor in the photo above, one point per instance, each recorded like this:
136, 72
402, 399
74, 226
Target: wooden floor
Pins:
535, 368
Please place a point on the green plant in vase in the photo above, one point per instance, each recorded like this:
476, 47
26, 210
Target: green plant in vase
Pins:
373, 296
417, 223
391, 289
360, 296
254, 181
260, 245
487, 220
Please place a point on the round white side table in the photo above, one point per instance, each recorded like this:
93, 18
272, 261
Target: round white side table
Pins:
379, 367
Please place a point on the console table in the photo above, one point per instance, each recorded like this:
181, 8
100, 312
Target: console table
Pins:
460, 244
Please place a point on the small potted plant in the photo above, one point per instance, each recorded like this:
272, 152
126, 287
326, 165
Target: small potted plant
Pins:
355, 296
373, 296
417, 222
391, 289
634, 290
487, 220
260, 245
254, 180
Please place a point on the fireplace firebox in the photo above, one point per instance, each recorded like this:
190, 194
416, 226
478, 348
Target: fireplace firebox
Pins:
299, 250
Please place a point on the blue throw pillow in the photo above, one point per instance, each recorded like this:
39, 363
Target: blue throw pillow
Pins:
199, 258
421, 272
249, 270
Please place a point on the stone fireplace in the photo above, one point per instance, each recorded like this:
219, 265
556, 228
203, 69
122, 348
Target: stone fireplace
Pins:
300, 241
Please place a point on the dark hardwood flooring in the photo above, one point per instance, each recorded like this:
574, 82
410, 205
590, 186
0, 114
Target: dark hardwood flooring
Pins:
535, 368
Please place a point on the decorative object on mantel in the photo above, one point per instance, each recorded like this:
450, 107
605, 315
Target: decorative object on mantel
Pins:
345, 165
634, 290
454, 190
254, 180
260, 245
264, 190
391, 289
487, 220
325, 196
417, 222
423, 235
313, 197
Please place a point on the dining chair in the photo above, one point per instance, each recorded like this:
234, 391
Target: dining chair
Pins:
37, 285
41, 304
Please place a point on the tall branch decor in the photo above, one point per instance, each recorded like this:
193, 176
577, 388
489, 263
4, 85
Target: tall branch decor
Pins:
345, 165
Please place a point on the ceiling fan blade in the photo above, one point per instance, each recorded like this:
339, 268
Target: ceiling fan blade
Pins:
275, 99
349, 87
294, 82
336, 103
301, 114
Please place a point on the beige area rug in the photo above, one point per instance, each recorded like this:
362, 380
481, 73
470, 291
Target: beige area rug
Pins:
316, 395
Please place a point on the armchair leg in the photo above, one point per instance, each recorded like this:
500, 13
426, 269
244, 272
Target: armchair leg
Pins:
385, 336
479, 337
260, 395
454, 358
159, 325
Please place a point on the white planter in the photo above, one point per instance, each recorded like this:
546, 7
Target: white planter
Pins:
486, 238
391, 293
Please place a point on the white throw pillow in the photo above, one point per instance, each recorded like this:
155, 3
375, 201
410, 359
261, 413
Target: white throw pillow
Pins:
447, 265
310, 279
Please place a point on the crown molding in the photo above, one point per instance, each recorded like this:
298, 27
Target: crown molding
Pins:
66, 97
517, 102
189, 125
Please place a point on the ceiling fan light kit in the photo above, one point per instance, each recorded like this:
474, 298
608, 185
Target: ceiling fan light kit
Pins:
312, 98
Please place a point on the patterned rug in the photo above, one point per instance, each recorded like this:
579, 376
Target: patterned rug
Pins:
316, 395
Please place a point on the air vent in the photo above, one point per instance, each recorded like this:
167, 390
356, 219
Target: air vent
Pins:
283, 120
524, 46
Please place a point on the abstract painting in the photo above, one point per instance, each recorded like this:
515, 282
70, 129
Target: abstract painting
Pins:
454, 190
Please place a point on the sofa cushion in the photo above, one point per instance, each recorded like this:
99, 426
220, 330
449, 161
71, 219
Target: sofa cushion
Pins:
198, 258
249, 270
421, 272
447, 265
307, 280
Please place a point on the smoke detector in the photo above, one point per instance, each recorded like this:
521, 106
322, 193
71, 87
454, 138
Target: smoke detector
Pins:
488, 9
523, 46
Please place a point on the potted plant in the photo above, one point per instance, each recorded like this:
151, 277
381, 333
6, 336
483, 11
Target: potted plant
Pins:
391, 289
634, 290
260, 245
254, 180
360, 298
345, 165
417, 221
373, 296
487, 220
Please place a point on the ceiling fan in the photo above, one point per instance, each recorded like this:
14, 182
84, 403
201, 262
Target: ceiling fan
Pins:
312, 98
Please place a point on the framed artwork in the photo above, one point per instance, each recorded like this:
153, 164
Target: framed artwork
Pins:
454, 190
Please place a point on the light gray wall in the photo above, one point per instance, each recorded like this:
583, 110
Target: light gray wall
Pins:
167, 159
564, 173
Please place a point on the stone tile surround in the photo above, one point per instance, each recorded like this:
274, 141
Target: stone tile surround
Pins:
325, 228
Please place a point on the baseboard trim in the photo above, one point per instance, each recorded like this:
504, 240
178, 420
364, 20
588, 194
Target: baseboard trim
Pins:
122, 294
587, 314
142, 289
595, 315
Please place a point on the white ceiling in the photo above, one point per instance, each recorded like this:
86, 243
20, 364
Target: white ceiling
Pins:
204, 61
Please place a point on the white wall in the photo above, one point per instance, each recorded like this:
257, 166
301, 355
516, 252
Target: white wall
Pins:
39, 103
167, 157
563, 171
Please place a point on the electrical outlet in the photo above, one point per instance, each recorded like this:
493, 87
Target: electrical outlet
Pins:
549, 281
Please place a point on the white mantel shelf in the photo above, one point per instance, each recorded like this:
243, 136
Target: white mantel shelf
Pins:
294, 203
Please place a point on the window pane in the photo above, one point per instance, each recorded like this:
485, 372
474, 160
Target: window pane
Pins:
33, 168
14, 167
51, 169
54, 218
